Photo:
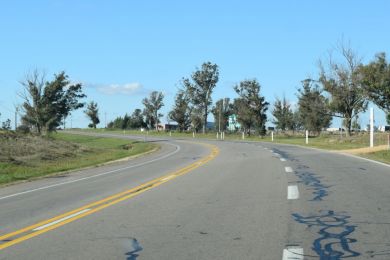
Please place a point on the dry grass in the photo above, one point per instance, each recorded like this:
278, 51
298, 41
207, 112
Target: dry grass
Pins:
23, 157
25, 149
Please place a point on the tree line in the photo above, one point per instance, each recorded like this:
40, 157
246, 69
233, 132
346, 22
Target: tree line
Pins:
342, 89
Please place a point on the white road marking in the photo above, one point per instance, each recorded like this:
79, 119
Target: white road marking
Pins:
288, 169
293, 253
292, 192
276, 154
283, 159
61, 219
93, 176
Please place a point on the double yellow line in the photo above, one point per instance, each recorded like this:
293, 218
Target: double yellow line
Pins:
34, 230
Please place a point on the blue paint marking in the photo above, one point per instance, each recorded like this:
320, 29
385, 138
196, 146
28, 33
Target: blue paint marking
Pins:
310, 179
132, 255
333, 243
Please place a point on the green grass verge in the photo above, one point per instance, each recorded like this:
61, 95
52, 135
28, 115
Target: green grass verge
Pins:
326, 141
64, 152
381, 156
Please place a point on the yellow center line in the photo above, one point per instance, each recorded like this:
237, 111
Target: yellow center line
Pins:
32, 231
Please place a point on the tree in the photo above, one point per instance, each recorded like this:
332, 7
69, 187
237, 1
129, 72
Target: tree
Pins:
297, 123
181, 112
356, 124
196, 119
251, 107
47, 103
221, 111
6, 125
93, 113
152, 105
376, 82
312, 106
343, 83
283, 114
137, 119
200, 89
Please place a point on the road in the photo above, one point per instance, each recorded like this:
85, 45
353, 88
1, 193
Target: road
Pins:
204, 200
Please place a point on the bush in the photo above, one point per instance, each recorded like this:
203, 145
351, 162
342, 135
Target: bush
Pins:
24, 129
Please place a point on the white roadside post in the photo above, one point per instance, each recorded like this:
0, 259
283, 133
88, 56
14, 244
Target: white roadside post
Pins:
217, 135
223, 135
372, 127
307, 137
243, 136
388, 141
272, 136
170, 133
193, 134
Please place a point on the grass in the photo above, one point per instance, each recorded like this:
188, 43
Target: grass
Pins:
381, 156
23, 157
325, 141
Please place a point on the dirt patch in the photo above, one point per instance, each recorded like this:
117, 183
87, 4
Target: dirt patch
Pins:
365, 150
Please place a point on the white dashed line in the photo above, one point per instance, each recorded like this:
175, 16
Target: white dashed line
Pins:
291, 253
288, 169
292, 192
283, 159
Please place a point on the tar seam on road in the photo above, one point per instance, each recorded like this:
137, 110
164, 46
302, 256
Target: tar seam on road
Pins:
23, 234
93, 176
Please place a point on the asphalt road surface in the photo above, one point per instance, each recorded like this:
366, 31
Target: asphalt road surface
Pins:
204, 200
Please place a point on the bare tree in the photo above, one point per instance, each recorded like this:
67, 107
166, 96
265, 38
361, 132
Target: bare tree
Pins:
343, 83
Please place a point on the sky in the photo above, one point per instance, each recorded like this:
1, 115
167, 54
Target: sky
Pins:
122, 50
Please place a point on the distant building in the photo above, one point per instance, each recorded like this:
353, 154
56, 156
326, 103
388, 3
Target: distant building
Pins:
384, 128
333, 129
233, 125
169, 127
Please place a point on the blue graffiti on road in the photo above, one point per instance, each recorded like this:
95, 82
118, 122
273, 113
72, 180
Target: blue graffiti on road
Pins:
333, 243
314, 182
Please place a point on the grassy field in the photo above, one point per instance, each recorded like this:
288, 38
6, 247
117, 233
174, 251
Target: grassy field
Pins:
24, 157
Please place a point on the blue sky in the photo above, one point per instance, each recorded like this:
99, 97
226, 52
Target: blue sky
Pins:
122, 50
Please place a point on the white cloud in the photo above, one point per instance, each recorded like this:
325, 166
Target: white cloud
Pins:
121, 89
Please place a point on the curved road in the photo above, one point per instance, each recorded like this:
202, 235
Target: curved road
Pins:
204, 200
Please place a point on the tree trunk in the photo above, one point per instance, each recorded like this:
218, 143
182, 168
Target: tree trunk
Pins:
155, 115
348, 124
205, 120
